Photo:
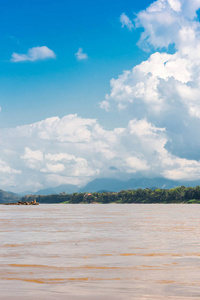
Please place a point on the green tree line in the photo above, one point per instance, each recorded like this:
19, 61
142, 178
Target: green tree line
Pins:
176, 195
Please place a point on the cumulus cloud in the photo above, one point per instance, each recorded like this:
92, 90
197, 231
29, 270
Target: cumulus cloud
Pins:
105, 105
75, 150
165, 88
32, 158
5, 168
53, 168
169, 22
126, 22
149, 82
164, 22
80, 55
33, 54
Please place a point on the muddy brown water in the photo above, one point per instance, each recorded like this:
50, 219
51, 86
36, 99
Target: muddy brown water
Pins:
100, 252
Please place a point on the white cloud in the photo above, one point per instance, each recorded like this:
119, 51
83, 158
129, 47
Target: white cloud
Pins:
74, 150
53, 168
35, 53
143, 128
60, 157
135, 164
125, 21
163, 21
165, 88
32, 158
151, 81
80, 55
5, 168
175, 5
33, 155
105, 105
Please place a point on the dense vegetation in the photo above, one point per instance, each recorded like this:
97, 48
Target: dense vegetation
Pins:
175, 195
7, 197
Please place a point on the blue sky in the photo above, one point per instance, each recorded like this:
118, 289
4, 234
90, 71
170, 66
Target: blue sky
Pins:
92, 89
34, 91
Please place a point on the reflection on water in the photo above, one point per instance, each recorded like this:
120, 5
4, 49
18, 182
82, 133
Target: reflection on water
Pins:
78, 252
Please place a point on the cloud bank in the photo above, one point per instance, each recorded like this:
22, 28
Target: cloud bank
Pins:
165, 89
33, 54
75, 150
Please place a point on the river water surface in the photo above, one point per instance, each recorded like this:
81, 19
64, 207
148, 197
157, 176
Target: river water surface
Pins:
96, 252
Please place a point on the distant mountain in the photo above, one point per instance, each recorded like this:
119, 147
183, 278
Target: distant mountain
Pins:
115, 185
158, 182
108, 184
68, 189
190, 183
25, 193
7, 197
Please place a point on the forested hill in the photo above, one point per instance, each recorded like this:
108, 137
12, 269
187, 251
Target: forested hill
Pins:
175, 195
7, 197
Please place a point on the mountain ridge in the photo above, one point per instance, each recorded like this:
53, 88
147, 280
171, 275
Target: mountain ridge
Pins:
102, 185
8, 197
115, 185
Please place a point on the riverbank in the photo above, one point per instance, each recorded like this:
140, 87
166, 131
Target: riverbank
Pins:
34, 202
181, 195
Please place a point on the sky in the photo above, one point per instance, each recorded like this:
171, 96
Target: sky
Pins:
92, 89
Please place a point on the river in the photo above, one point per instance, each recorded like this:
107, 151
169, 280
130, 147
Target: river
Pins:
100, 252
